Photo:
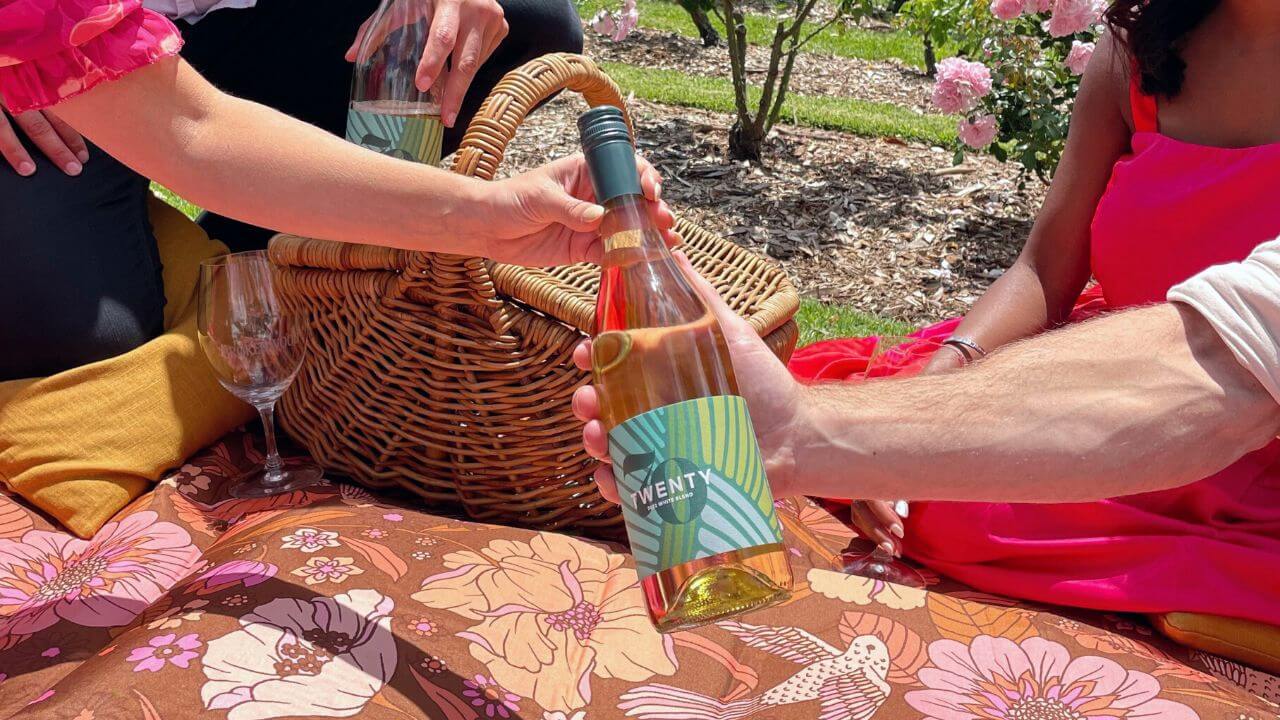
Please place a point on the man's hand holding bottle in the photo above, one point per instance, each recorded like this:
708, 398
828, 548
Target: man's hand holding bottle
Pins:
774, 398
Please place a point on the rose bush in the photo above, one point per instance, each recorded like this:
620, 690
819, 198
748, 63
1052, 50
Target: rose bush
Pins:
1017, 73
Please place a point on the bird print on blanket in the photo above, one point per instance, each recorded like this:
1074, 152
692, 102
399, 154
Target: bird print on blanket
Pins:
849, 685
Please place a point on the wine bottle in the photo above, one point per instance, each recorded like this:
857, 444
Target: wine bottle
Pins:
388, 112
697, 505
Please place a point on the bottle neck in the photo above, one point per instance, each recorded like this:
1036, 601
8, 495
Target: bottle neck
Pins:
629, 232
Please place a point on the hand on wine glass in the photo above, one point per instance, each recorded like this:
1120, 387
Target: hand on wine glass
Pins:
773, 397
464, 33
548, 216
57, 140
880, 521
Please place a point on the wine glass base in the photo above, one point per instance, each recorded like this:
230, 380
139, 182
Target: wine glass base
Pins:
874, 566
296, 475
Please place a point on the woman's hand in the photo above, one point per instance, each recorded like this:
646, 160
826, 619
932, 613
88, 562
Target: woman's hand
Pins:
464, 32
774, 398
548, 216
55, 138
880, 522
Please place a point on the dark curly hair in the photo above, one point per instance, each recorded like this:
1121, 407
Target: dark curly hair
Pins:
1152, 31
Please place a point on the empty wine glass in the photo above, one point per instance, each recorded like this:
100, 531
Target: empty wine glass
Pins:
255, 349
893, 357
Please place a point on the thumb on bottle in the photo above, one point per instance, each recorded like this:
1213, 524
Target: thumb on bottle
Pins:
577, 215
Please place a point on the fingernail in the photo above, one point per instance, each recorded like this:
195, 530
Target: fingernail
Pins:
26, 167
896, 529
74, 168
657, 191
450, 119
593, 213
887, 547
83, 155
902, 508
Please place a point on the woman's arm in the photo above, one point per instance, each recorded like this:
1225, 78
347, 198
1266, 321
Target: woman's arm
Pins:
1038, 291
255, 164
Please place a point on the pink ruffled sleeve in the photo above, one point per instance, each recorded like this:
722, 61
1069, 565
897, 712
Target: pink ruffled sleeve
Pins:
51, 50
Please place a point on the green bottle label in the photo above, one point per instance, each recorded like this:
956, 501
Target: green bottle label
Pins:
692, 483
409, 137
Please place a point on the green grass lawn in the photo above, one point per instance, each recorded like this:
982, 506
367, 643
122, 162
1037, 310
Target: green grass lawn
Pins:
837, 40
860, 117
821, 321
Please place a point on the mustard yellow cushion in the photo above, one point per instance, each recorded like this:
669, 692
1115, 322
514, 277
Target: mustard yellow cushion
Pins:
82, 444
1252, 643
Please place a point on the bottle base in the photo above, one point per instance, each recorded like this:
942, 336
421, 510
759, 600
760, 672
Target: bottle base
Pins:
705, 597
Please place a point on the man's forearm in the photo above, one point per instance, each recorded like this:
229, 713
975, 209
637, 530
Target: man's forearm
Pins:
246, 161
1134, 402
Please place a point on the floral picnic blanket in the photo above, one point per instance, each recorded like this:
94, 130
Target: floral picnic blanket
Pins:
334, 603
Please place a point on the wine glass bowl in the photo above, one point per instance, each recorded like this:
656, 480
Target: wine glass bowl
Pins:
255, 348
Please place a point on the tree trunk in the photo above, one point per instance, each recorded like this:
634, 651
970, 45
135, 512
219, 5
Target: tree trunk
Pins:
930, 58
707, 31
746, 142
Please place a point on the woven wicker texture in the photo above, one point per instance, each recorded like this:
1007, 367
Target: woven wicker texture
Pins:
452, 376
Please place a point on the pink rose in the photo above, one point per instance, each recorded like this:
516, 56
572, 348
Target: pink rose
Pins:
1039, 6
1078, 58
626, 21
960, 84
1007, 9
1072, 16
978, 133
617, 26
603, 23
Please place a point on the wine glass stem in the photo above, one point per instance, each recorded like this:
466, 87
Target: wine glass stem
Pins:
273, 465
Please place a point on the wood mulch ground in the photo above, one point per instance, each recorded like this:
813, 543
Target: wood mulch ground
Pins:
886, 227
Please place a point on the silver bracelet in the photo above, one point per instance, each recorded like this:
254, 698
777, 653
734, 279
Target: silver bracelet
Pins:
970, 349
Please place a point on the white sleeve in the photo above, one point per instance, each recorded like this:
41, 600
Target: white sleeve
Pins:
1241, 301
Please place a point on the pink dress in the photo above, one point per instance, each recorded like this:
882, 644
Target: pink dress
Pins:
1171, 209
53, 49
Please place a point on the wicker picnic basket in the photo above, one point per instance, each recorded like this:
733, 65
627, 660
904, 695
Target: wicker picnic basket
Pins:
451, 376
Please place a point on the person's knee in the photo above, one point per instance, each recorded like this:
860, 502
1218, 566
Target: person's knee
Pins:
550, 25
79, 273
54, 334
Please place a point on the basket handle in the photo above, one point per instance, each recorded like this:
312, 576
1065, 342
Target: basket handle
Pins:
465, 280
